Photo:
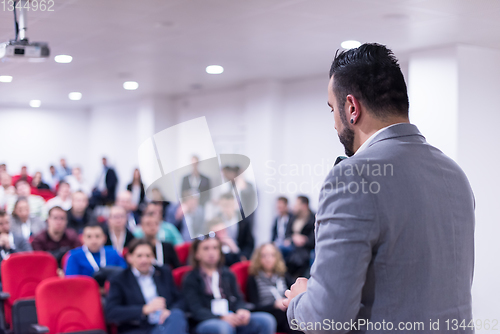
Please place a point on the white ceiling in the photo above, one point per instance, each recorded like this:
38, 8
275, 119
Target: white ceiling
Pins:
165, 45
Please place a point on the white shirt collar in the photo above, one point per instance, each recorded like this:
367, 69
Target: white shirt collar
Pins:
138, 274
370, 139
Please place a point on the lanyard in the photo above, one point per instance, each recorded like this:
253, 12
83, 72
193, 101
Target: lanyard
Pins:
91, 259
159, 253
118, 244
215, 285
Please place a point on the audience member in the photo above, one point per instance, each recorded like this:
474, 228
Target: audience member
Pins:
136, 188
63, 170
143, 298
22, 223
187, 216
266, 284
53, 179
23, 176
213, 297
36, 203
164, 251
80, 214
56, 239
38, 183
117, 233
196, 182
10, 242
77, 182
167, 232
93, 255
104, 192
6, 189
237, 229
299, 240
3, 168
124, 199
281, 221
63, 198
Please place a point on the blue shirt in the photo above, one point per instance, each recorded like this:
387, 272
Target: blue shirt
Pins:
78, 264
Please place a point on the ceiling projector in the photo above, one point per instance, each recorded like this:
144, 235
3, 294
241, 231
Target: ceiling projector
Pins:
20, 48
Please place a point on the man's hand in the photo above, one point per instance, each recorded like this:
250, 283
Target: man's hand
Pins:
164, 315
279, 304
231, 319
299, 240
297, 288
156, 304
243, 316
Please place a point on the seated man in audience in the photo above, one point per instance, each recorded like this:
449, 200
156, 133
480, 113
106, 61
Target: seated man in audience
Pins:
164, 251
80, 214
93, 255
143, 298
10, 242
21, 221
281, 222
168, 232
213, 296
299, 240
239, 232
77, 183
189, 213
36, 203
124, 199
63, 198
56, 239
117, 233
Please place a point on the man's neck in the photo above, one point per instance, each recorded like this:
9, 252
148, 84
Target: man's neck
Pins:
117, 231
372, 127
55, 235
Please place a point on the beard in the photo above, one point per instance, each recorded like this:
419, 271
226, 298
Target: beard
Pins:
346, 137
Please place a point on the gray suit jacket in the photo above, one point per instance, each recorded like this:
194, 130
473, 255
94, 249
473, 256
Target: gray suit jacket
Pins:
394, 241
37, 225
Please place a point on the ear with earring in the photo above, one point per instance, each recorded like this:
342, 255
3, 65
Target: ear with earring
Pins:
352, 120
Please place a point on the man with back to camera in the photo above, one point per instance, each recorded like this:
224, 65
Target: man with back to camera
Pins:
395, 224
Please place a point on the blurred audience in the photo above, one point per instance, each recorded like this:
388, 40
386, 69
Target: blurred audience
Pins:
144, 298
56, 239
117, 233
63, 170
93, 255
80, 214
38, 183
10, 242
281, 222
124, 199
267, 283
23, 176
164, 251
104, 192
77, 182
167, 231
53, 179
187, 216
196, 182
136, 188
22, 223
36, 203
63, 198
213, 296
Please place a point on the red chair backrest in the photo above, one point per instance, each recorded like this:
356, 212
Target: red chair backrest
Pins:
21, 274
182, 251
69, 305
179, 273
64, 260
240, 270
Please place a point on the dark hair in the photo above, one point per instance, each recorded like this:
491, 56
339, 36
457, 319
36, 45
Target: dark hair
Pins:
3, 213
283, 199
134, 243
94, 224
57, 208
371, 73
194, 248
303, 199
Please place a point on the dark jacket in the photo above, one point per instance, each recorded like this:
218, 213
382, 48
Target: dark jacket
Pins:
307, 230
245, 238
291, 217
203, 188
125, 300
79, 224
129, 236
169, 255
143, 192
111, 183
199, 302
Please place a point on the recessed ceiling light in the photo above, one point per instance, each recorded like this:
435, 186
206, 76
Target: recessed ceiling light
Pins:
35, 103
214, 69
130, 85
75, 96
350, 44
63, 59
5, 78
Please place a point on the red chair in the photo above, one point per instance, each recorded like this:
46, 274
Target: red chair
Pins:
182, 251
240, 270
179, 273
64, 260
69, 305
21, 274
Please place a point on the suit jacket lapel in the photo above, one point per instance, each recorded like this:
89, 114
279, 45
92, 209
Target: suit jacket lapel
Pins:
134, 284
